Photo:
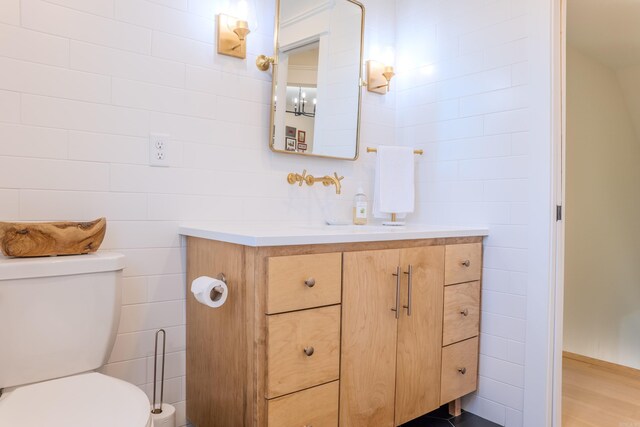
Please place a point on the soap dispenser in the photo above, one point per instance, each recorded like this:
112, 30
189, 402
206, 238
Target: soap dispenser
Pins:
360, 208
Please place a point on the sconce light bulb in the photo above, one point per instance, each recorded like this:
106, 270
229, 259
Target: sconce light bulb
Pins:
315, 101
295, 100
304, 95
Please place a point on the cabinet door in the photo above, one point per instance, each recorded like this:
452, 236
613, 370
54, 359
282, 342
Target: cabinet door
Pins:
420, 333
369, 336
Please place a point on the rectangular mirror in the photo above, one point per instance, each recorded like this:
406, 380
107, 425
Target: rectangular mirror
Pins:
317, 78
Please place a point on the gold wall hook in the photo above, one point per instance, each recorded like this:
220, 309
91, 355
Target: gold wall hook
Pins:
263, 62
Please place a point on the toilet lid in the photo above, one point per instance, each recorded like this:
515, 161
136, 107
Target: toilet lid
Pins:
83, 400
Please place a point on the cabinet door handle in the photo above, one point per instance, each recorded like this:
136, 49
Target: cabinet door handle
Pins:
465, 312
466, 263
462, 370
397, 307
310, 282
410, 289
309, 351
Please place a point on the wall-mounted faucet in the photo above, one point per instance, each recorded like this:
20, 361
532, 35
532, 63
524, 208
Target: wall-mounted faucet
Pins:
326, 180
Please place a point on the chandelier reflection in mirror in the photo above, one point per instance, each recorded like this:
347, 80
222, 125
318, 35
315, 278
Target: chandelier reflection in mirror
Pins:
302, 101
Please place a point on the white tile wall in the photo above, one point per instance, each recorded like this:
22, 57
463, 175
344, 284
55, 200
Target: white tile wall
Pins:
463, 97
84, 82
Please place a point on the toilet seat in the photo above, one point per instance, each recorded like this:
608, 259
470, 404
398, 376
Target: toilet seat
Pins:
89, 399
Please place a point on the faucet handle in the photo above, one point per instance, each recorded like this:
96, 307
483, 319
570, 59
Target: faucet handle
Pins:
338, 178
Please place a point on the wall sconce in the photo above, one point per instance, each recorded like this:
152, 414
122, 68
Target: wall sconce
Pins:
379, 77
232, 34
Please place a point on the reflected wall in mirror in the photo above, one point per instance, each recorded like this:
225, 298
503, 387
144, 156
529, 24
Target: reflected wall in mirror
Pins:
316, 87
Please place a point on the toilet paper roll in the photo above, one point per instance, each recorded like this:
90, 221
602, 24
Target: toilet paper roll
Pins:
167, 418
209, 291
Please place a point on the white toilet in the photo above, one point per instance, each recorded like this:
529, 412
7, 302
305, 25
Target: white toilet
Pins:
58, 322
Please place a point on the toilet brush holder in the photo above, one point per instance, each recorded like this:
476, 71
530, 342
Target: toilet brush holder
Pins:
163, 414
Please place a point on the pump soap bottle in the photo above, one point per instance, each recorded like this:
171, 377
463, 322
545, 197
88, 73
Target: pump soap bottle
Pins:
360, 208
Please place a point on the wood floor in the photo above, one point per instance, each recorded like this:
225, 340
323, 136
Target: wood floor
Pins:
597, 396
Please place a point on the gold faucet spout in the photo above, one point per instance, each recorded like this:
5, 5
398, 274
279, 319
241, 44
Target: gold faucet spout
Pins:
326, 180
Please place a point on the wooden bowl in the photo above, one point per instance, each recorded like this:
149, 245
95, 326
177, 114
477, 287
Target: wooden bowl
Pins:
33, 239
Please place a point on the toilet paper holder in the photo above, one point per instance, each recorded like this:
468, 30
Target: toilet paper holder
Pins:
216, 292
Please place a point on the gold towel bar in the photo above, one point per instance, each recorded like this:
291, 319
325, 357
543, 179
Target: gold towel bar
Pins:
375, 150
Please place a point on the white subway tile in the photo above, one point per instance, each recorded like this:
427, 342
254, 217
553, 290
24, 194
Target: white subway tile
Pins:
133, 371
30, 141
58, 20
140, 235
20, 43
166, 288
48, 205
9, 106
10, 12
96, 7
520, 73
134, 289
488, 409
493, 346
176, 4
193, 208
76, 115
165, 19
501, 370
173, 390
507, 54
153, 261
496, 101
9, 205
497, 391
141, 317
17, 172
506, 258
140, 344
507, 122
503, 326
182, 49
134, 94
100, 147
47, 80
174, 366
514, 418
506, 31
128, 65
516, 352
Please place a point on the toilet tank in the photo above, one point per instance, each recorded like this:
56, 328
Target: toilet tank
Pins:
58, 315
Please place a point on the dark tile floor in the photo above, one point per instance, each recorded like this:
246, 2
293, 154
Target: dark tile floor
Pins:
441, 418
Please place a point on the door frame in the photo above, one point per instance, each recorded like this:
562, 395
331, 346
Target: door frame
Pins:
559, 121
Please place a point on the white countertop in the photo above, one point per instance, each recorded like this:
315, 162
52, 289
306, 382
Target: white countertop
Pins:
288, 235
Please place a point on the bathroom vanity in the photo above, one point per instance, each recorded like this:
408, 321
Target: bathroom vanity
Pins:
327, 326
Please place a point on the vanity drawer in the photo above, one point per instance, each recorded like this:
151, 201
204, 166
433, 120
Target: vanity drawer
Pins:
461, 312
462, 263
459, 370
317, 407
303, 281
303, 349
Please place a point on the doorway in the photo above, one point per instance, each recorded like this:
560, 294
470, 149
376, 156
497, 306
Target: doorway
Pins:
600, 345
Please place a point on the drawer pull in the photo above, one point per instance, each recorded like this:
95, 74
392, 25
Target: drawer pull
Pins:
397, 307
466, 263
310, 282
309, 351
465, 312
462, 370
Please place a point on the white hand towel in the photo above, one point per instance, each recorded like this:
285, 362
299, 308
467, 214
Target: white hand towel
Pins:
394, 187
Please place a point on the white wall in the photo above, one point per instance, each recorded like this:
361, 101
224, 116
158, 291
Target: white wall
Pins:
83, 83
602, 280
463, 97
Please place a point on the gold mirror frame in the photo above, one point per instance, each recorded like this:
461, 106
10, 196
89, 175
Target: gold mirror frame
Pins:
274, 72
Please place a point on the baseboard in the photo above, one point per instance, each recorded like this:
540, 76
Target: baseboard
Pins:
602, 363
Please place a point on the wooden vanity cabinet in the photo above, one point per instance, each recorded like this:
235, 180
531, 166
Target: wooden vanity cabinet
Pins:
354, 334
